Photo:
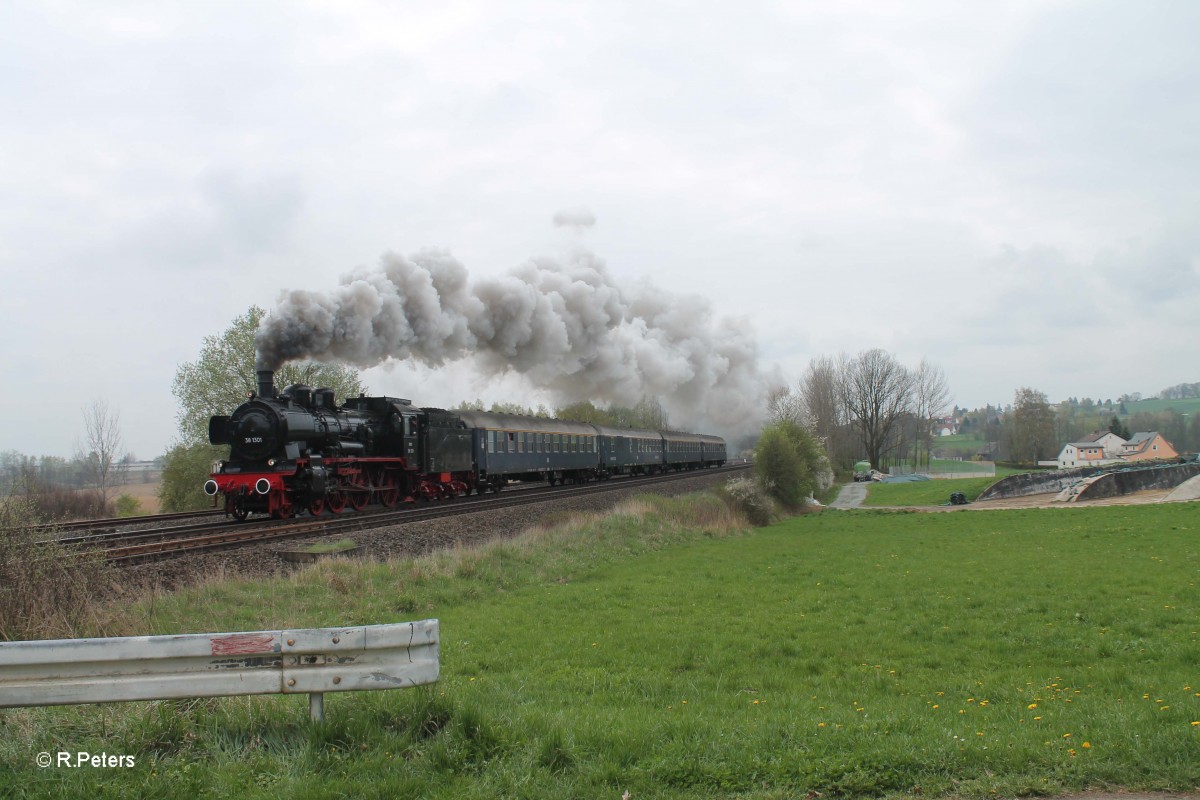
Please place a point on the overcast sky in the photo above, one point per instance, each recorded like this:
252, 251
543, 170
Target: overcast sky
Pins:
1011, 190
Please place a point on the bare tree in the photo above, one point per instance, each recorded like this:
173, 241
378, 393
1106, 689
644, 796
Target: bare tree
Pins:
877, 392
820, 394
102, 445
785, 405
930, 396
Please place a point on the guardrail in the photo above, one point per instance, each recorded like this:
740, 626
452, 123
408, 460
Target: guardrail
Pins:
311, 661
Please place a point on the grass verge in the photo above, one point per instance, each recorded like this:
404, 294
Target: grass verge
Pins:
659, 652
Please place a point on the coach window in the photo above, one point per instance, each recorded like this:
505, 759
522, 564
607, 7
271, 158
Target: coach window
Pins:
491, 442
512, 442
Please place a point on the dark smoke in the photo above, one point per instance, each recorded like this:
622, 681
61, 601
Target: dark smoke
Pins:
564, 325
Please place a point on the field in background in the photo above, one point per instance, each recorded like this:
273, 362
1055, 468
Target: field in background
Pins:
145, 493
846, 654
925, 493
1189, 405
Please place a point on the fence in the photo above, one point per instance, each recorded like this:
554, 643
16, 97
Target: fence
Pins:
947, 468
312, 661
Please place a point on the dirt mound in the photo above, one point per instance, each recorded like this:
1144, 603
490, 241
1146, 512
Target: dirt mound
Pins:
1188, 490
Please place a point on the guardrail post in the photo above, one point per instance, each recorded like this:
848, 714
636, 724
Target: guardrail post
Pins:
316, 706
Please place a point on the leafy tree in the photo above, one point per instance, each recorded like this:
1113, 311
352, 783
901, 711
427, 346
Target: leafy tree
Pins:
779, 467
1029, 427
791, 463
219, 380
185, 469
1116, 426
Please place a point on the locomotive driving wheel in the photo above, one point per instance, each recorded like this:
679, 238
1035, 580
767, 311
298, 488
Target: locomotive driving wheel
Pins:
387, 492
316, 505
359, 498
236, 509
336, 502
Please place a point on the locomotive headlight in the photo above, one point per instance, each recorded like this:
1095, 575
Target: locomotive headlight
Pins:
270, 462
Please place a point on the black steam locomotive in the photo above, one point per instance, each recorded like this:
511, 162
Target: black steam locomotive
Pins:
298, 451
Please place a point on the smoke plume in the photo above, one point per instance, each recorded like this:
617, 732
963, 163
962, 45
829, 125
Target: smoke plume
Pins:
563, 324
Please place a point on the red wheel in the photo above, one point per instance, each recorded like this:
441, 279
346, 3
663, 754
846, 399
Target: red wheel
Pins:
358, 499
316, 506
336, 502
283, 512
387, 492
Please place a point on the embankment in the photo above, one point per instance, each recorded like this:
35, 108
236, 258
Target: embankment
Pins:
1115, 484
1037, 483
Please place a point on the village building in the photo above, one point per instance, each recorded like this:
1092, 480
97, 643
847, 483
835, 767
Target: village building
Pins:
1104, 447
1147, 446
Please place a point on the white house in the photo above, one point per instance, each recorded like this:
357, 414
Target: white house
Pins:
1094, 450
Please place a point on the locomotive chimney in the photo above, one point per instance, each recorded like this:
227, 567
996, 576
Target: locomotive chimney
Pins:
266, 383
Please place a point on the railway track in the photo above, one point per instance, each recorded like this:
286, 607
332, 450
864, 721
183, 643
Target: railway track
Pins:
140, 546
117, 522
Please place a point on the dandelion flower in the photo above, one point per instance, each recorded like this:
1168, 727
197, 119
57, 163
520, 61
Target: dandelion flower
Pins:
1087, 745
1031, 706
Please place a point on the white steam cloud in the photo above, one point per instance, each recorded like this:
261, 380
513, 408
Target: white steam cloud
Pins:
564, 325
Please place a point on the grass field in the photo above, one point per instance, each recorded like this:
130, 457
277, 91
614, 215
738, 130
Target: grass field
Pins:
1189, 405
925, 493
842, 654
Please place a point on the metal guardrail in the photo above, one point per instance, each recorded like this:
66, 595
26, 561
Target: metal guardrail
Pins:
312, 661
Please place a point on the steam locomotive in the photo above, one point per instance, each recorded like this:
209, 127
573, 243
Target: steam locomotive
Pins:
298, 451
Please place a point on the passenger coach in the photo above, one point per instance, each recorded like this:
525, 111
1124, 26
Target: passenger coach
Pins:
512, 447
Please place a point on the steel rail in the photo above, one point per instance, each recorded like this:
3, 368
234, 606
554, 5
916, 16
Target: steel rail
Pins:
230, 536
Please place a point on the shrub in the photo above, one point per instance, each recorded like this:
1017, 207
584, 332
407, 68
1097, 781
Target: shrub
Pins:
46, 590
47, 502
751, 498
185, 469
128, 506
791, 464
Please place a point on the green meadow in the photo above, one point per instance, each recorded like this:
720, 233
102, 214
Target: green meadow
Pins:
669, 652
925, 493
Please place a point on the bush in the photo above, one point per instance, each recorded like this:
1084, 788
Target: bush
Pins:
185, 469
47, 502
128, 506
47, 591
751, 498
791, 464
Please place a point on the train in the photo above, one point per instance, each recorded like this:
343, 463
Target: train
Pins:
297, 451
